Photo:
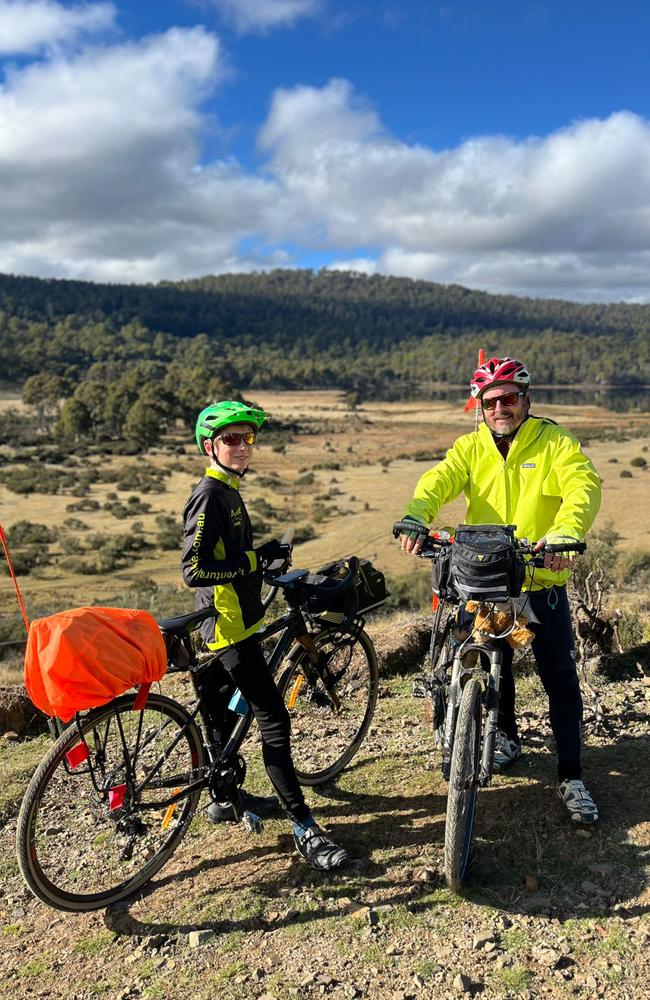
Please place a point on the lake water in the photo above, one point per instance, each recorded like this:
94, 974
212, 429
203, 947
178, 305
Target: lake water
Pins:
618, 400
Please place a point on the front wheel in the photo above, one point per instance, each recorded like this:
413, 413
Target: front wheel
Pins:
463, 784
96, 821
325, 737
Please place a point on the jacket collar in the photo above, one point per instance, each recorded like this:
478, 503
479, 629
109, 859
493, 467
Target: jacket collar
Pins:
526, 433
223, 477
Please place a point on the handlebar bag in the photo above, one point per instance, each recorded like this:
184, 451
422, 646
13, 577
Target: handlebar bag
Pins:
85, 657
483, 564
370, 585
441, 583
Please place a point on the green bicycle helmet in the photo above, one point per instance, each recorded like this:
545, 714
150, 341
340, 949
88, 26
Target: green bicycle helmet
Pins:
218, 415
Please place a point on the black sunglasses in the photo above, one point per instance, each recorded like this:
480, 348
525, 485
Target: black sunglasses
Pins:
507, 399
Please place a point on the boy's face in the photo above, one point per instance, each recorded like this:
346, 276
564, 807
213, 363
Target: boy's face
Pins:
237, 455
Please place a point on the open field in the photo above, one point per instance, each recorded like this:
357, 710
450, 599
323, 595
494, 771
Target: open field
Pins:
364, 463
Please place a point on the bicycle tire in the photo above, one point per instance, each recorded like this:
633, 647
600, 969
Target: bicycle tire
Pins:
323, 742
463, 785
79, 849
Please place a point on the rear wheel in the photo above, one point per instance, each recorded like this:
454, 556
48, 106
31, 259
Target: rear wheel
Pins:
96, 822
325, 737
463, 784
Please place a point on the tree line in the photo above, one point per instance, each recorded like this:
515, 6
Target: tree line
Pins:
124, 361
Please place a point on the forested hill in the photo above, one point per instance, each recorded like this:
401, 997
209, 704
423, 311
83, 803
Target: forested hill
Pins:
293, 328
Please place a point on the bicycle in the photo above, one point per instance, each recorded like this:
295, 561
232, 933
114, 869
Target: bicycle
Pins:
113, 798
465, 669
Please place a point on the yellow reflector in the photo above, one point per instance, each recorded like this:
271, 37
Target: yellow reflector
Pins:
293, 697
167, 818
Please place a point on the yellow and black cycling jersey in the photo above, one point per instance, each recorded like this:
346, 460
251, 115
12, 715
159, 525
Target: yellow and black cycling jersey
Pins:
218, 559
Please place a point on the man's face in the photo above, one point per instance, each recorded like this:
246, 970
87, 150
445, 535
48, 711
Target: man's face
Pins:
235, 456
504, 419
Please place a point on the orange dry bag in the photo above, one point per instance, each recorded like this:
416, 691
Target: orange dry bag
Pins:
85, 657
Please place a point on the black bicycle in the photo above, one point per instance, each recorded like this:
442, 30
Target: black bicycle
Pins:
114, 796
477, 578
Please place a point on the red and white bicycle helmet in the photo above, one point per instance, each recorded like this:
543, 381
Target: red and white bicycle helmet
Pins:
498, 370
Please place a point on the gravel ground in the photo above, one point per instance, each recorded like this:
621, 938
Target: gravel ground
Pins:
548, 911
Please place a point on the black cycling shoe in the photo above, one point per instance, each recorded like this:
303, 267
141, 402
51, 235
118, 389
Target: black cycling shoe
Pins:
321, 852
262, 805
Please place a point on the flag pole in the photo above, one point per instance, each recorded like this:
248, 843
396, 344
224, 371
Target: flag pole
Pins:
3, 539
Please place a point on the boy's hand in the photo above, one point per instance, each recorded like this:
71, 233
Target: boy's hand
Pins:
273, 555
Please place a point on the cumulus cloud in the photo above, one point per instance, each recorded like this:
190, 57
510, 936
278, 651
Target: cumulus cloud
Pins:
100, 173
263, 15
568, 213
103, 175
29, 25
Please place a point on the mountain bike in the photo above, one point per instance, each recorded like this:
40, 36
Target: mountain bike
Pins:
465, 663
111, 801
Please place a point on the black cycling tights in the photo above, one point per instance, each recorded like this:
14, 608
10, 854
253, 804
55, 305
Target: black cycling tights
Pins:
556, 664
249, 671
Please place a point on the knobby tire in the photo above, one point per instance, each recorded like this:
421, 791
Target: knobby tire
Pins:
463, 785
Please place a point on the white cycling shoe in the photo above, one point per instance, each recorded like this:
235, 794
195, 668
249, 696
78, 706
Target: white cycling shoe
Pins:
581, 807
505, 752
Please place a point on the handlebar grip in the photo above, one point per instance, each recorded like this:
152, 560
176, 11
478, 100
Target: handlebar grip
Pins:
287, 536
566, 547
409, 527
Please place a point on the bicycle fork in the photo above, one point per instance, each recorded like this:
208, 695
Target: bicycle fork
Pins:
491, 684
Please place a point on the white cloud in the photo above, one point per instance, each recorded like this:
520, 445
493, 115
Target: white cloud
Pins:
569, 212
29, 25
263, 15
99, 167
102, 175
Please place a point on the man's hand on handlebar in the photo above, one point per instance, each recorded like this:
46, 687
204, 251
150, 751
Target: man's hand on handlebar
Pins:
411, 541
557, 561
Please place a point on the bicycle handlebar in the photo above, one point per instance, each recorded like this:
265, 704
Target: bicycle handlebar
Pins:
431, 546
286, 539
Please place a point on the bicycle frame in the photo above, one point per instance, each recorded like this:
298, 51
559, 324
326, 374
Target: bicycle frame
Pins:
291, 629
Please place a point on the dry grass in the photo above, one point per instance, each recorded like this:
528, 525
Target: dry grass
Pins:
359, 442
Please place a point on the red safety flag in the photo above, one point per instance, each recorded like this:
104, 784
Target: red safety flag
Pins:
472, 403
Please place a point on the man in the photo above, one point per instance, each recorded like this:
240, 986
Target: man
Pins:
524, 470
219, 559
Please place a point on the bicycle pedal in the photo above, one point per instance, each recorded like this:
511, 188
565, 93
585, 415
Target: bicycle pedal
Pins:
421, 687
252, 822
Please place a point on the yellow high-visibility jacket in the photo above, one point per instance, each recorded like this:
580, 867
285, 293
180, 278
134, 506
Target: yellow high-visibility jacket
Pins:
546, 486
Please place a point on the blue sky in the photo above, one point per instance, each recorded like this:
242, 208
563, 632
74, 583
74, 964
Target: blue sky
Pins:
501, 145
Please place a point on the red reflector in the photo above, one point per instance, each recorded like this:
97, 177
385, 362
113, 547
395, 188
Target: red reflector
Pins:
78, 754
116, 797
141, 697
435, 601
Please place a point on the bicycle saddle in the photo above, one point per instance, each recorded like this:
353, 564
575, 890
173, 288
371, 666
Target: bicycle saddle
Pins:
184, 624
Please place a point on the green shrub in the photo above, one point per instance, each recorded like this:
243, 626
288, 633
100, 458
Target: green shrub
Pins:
305, 480
412, 593
142, 477
83, 505
75, 524
30, 533
170, 532
639, 462
304, 533
625, 474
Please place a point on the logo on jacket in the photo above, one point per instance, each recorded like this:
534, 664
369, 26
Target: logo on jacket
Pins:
528, 465
236, 516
